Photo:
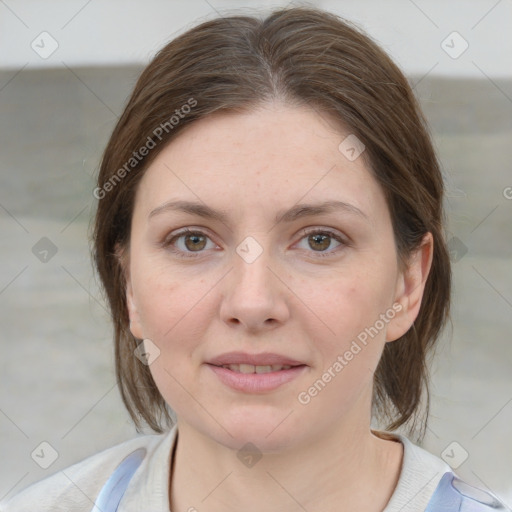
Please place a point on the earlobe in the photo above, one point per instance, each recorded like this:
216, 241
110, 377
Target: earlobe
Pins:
410, 288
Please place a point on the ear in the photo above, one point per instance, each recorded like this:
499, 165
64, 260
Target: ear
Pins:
409, 289
133, 313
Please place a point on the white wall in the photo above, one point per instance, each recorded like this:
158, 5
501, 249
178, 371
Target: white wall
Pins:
106, 32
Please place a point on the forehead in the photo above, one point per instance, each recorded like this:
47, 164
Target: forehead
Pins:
269, 158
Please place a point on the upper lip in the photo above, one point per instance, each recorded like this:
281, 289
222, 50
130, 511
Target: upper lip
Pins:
263, 359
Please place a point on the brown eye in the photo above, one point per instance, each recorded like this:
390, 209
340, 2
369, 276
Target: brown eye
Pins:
319, 241
189, 243
195, 241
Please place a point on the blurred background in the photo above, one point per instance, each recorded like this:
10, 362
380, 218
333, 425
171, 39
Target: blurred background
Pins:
66, 68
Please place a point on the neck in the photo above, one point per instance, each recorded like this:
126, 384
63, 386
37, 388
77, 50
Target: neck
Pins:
346, 468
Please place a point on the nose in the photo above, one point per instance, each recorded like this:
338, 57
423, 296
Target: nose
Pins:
254, 298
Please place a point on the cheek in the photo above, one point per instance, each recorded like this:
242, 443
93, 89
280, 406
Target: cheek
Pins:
165, 299
351, 303
173, 316
351, 308
175, 312
348, 358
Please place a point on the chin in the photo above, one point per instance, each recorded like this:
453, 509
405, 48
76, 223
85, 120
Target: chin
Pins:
264, 429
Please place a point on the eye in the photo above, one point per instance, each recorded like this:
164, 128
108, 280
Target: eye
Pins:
190, 243
187, 242
319, 240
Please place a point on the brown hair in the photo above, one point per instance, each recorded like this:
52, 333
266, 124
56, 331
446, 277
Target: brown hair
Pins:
301, 56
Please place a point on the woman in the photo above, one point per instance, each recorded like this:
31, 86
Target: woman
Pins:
269, 235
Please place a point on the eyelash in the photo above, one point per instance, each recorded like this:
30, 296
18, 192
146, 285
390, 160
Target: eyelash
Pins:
168, 243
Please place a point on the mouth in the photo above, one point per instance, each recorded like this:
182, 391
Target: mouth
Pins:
250, 363
255, 373
250, 368
256, 379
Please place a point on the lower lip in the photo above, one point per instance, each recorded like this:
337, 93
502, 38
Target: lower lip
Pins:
256, 382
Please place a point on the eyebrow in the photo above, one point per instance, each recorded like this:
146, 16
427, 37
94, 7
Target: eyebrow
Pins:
294, 213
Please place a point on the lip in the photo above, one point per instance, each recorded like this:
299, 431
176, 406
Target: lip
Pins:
256, 382
263, 359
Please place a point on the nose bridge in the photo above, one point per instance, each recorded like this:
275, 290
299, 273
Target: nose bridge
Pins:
252, 264
254, 296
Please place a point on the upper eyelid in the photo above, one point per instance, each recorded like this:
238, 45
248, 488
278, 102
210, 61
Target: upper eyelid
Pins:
189, 230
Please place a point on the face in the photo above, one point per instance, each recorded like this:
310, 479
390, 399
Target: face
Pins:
225, 267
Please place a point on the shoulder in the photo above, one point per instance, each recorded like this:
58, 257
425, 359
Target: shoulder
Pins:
428, 484
76, 487
453, 494
419, 476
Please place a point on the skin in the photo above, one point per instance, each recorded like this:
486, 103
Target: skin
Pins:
291, 300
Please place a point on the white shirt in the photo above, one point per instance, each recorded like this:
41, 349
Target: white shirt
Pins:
74, 489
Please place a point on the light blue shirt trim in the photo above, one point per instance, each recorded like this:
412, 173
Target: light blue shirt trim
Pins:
454, 495
112, 492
